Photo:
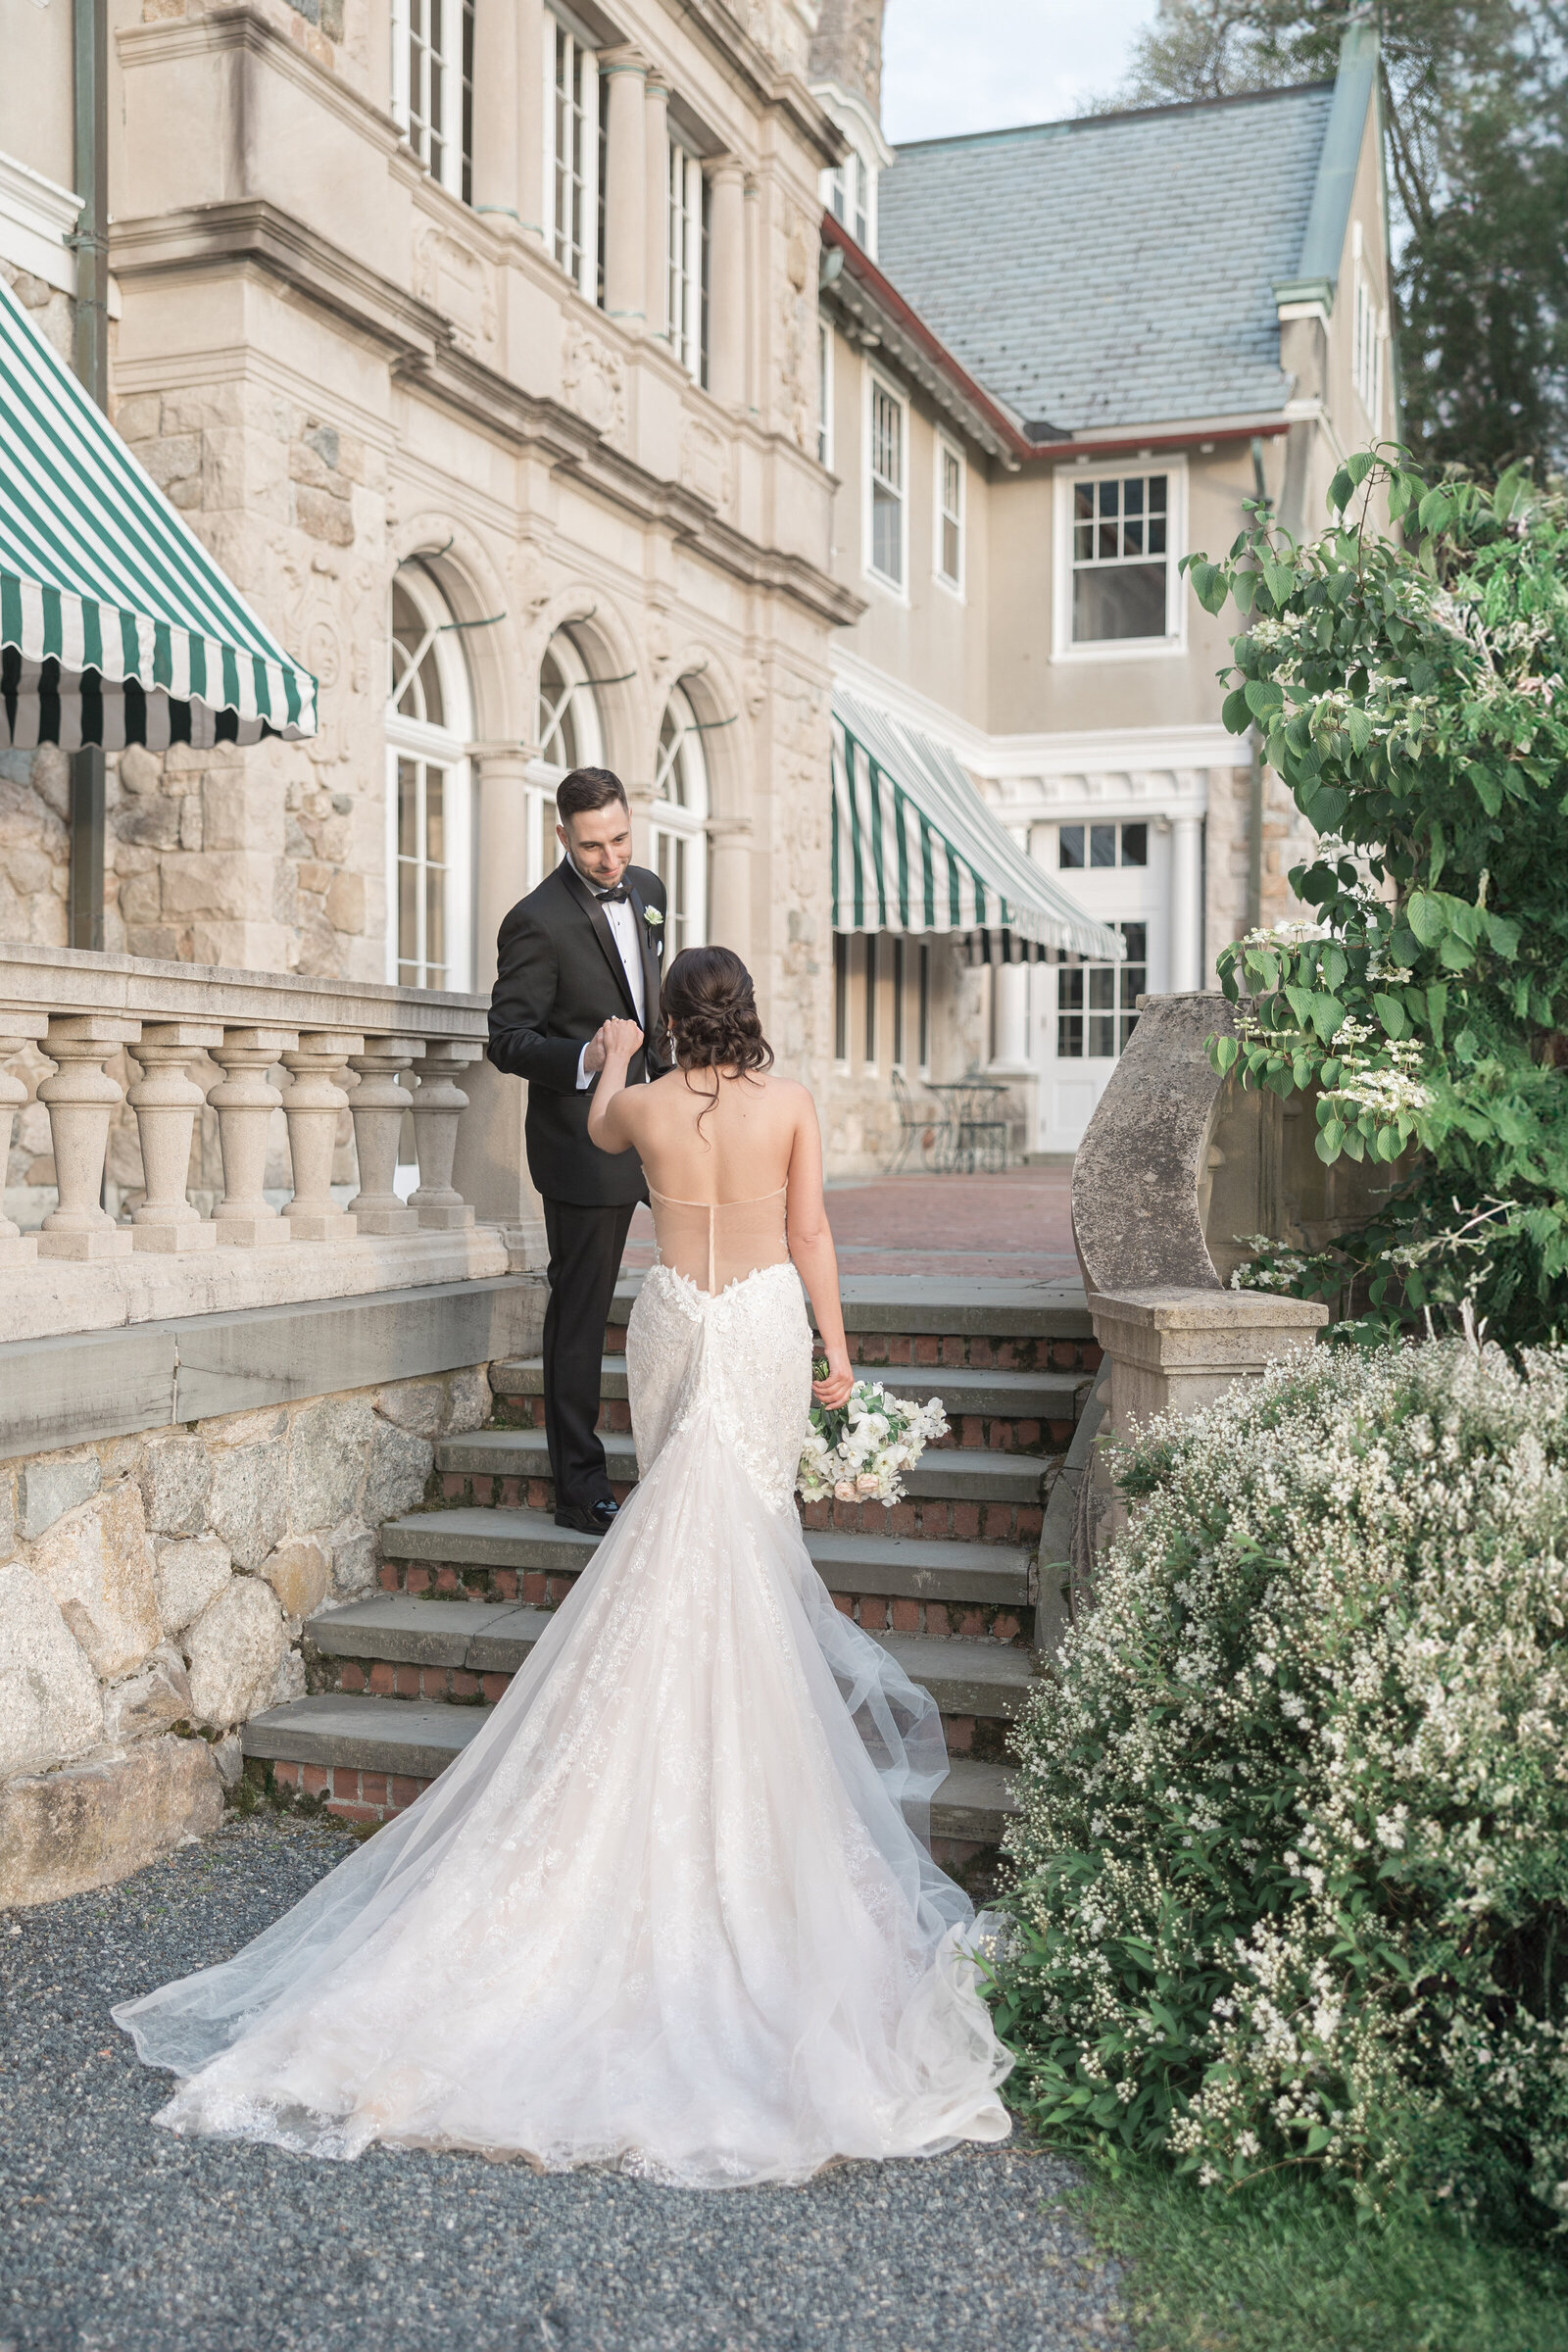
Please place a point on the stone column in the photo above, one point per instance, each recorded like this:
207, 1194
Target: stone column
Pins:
16, 1029
81, 1098
656, 143
623, 105
756, 246
1186, 906
534, 31
438, 1105
312, 1106
244, 1100
496, 117
378, 1110
165, 1100
729, 883
726, 283
503, 863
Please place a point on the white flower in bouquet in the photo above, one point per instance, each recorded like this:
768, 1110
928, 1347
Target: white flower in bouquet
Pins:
858, 1450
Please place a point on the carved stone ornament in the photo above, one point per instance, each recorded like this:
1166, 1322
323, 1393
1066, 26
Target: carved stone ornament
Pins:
703, 462
457, 283
593, 381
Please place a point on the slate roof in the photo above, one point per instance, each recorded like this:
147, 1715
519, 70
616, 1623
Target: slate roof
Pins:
1116, 269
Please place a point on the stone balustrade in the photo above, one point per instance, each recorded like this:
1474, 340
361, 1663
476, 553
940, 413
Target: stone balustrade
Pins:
313, 1049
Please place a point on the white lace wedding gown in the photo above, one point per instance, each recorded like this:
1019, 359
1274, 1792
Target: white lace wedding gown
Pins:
670, 1908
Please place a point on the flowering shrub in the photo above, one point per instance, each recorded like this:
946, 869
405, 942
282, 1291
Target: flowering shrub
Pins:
1290, 1864
855, 1452
1412, 697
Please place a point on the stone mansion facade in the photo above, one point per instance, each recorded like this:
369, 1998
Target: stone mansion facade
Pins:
566, 382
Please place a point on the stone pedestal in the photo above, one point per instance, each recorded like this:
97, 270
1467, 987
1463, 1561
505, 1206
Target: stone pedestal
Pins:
438, 1105
81, 1098
312, 1106
16, 1029
1173, 1350
491, 1165
245, 1101
378, 1106
165, 1100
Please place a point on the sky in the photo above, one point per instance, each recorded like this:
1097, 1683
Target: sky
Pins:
953, 65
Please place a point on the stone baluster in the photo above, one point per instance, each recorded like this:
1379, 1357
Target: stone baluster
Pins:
378, 1106
81, 1098
438, 1105
245, 1100
312, 1106
165, 1100
16, 1029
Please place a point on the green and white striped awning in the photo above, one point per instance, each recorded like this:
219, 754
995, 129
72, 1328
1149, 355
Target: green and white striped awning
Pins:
116, 625
917, 849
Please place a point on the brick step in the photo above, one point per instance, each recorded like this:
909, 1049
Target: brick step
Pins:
942, 1588
464, 1652
1012, 1412
896, 1320
946, 1474
369, 1757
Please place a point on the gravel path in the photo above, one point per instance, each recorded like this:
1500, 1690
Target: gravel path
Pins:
117, 2238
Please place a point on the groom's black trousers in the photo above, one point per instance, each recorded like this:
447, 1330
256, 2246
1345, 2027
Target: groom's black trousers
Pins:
585, 1251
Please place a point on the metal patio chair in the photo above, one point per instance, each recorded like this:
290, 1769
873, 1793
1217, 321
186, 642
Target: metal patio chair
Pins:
923, 1128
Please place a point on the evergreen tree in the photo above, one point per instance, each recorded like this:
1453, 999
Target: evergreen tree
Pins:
1475, 105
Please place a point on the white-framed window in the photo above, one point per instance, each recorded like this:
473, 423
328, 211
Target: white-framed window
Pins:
1119, 531
1096, 1004
886, 481
1080, 847
573, 156
432, 87
849, 196
678, 818
429, 726
1368, 348
569, 735
686, 261
824, 393
948, 522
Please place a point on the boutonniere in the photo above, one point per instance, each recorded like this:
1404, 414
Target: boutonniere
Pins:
651, 914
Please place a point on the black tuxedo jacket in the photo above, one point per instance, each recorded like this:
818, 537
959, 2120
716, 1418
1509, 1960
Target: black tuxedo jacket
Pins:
559, 975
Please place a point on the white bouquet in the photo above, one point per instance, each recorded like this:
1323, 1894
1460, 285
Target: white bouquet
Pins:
855, 1452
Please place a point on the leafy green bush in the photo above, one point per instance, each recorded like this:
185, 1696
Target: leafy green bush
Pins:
1290, 1864
1413, 699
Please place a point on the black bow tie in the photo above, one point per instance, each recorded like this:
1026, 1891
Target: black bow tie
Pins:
614, 898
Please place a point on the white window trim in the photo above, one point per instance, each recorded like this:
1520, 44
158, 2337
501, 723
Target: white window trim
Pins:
586, 276
684, 821
826, 340
449, 177
946, 447
898, 590
447, 747
685, 337
1173, 464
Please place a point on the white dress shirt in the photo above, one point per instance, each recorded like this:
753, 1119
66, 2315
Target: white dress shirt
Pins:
622, 921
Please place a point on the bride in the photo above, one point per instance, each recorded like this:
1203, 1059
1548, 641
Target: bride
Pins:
671, 1909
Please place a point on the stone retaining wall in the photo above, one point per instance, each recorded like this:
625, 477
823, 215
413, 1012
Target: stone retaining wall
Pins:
153, 1591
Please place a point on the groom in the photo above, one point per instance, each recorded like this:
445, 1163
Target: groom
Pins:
585, 948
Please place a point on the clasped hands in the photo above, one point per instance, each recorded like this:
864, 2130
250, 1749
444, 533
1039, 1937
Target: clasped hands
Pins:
612, 1041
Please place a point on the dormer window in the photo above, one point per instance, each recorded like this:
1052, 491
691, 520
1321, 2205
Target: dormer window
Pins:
850, 188
849, 198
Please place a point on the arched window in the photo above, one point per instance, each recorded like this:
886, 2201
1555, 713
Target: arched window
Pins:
679, 822
429, 725
569, 736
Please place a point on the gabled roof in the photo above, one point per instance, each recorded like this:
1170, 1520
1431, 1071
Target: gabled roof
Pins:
1117, 268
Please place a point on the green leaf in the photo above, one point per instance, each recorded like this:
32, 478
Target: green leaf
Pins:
1334, 966
1391, 1012
1280, 581
1341, 491
1328, 1018
1236, 711
1435, 511
1504, 934
1456, 954
1486, 787
1210, 584
1358, 465
1329, 1140
1437, 1010
1427, 917
1263, 696
1325, 809
1226, 1049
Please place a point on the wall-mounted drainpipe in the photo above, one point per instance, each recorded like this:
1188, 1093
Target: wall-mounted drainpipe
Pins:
1255, 797
90, 72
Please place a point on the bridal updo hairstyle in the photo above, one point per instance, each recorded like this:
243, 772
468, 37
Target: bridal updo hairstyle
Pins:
709, 1006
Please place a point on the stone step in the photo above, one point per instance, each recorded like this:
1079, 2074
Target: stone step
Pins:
527, 1544
402, 1644
967, 1394
368, 1757
947, 1473
939, 1305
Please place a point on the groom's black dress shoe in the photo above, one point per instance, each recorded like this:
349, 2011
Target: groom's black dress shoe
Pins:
589, 1519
